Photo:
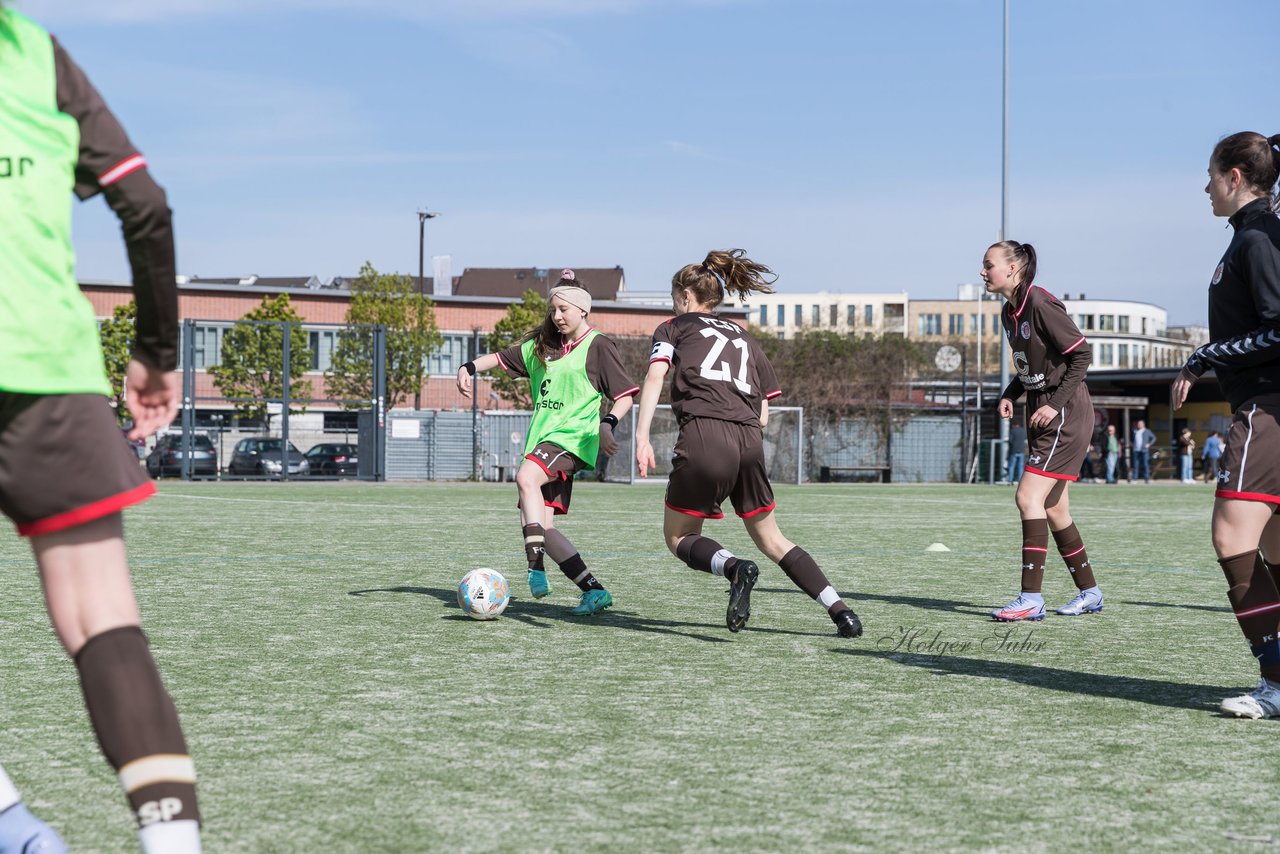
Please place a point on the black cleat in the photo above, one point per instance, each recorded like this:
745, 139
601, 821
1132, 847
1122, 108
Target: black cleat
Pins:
740, 595
848, 625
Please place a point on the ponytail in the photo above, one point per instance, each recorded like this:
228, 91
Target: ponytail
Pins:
1254, 155
724, 270
1022, 254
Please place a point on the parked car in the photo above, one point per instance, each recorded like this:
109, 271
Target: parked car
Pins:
165, 459
333, 458
262, 456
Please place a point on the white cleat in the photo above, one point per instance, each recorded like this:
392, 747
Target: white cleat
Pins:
1085, 602
1261, 702
1022, 608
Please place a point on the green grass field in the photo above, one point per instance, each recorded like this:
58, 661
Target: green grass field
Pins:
335, 699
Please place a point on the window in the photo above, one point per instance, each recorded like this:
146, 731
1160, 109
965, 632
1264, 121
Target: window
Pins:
1107, 322
207, 347
955, 324
799, 315
1106, 355
816, 314
1086, 321
322, 344
1124, 352
1124, 323
1144, 326
834, 312
782, 315
764, 315
446, 360
929, 324
973, 324
995, 324
869, 315
853, 316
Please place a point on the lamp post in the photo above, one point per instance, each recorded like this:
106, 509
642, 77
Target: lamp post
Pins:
1004, 220
423, 216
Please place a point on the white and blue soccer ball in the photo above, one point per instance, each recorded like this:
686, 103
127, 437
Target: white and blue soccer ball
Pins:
483, 594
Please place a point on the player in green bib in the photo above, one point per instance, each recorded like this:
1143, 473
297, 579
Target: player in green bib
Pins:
572, 371
66, 471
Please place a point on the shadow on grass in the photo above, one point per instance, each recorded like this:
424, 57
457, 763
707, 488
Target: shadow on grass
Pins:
1155, 692
1216, 608
532, 611
853, 599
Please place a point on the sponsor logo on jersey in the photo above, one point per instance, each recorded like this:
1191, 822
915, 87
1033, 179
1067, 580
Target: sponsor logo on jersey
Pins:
1029, 380
1217, 274
1034, 459
1224, 476
542, 402
1026, 331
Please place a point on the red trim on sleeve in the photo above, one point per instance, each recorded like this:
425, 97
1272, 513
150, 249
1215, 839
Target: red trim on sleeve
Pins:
1073, 346
631, 392
759, 510
1247, 496
501, 363
125, 167
1044, 473
88, 513
775, 393
659, 359
693, 513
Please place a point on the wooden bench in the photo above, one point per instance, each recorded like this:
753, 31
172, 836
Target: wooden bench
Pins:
824, 473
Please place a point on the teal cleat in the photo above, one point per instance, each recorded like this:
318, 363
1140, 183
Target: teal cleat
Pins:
592, 602
538, 585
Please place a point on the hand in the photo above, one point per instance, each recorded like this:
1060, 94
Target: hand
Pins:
608, 444
464, 383
1181, 387
644, 457
152, 398
1005, 408
1043, 416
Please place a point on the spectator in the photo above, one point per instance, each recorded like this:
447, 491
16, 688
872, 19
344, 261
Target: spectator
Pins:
1140, 451
1112, 446
1017, 452
1209, 456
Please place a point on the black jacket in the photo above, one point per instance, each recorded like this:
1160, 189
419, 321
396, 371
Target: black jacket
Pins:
1244, 309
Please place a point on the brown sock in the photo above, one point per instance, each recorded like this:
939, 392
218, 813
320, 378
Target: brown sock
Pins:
1256, 602
137, 725
1273, 569
1071, 547
706, 555
805, 573
1035, 546
534, 544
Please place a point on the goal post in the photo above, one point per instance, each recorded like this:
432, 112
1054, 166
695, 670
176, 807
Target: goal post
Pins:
783, 446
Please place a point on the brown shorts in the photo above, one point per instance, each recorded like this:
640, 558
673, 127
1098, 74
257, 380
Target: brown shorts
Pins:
715, 460
561, 466
1058, 451
64, 462
1249, 468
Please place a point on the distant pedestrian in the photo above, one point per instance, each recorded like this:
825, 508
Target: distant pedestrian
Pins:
1112, 444
1186, 452
1017, 452
1140, 452
1209, 456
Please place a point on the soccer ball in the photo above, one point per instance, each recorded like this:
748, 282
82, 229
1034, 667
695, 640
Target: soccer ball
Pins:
483, 594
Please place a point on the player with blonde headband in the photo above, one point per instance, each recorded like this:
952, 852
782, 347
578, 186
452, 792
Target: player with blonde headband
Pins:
720, 395
572, 369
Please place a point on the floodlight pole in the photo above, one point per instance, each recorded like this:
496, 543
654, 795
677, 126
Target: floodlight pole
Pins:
423, 216
1004, 223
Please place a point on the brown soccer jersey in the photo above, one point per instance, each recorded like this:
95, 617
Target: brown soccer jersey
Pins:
718, 370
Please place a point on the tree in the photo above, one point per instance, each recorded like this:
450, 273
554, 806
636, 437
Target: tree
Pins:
116, 335
253, 358
389, 300
521, 317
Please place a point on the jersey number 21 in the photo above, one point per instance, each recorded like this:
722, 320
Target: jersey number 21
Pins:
722, 373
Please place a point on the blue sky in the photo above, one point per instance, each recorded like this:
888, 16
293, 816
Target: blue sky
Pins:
853, 146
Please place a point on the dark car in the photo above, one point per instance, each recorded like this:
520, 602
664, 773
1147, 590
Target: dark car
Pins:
165, 459
333, 458
262, 456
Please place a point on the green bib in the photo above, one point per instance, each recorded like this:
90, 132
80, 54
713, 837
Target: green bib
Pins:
48, 334
566, 406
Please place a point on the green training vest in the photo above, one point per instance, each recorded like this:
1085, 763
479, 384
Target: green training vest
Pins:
48, 334
566, 406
